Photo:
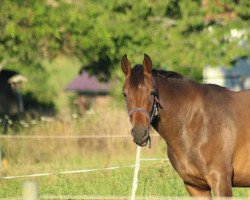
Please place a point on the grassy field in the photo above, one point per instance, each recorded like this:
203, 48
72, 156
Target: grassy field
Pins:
28, 156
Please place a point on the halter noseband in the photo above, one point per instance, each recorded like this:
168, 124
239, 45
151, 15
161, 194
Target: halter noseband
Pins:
139, 110
154, 111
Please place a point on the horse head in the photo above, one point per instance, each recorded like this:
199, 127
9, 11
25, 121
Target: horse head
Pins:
140, 96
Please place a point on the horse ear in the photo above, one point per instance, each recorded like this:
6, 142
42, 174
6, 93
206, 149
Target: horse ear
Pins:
125, 65
147, 64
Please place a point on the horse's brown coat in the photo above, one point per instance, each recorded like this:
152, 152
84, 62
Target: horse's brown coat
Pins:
206, 127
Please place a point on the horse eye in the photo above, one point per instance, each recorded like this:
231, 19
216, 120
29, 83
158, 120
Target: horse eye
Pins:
124, 94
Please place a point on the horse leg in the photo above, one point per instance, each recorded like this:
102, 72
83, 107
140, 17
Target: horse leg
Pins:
197, 192
220, 183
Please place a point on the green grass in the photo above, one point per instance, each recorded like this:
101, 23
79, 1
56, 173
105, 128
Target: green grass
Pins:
154, 180
96, 183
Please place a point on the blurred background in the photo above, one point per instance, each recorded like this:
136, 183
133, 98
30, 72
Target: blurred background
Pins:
60, 75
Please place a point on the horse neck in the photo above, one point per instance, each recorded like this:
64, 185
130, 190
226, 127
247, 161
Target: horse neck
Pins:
180, 100
177, 93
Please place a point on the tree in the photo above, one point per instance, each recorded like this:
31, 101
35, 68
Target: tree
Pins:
183, 35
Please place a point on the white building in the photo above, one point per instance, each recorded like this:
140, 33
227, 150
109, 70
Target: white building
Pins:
236, 78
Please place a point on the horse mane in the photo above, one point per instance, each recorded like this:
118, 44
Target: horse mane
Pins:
137, 75
167, 74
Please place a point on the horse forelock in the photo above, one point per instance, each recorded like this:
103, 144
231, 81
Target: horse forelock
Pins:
137, 76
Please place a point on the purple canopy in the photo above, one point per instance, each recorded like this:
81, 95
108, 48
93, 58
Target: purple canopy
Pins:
87, 83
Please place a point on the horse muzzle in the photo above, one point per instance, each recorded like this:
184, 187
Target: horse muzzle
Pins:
140, 136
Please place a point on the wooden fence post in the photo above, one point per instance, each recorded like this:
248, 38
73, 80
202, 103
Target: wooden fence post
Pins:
136, 171
30, 191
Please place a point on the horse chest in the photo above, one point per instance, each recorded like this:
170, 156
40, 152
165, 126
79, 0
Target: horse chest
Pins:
187, 169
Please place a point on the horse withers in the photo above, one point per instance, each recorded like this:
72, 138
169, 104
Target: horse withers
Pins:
206, 127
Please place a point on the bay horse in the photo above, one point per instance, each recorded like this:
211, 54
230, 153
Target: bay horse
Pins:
206, 127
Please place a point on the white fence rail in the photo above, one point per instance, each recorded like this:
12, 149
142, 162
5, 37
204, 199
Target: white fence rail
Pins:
67, 136
63, 136
68, 172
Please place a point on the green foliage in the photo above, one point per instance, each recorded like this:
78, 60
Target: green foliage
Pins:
179, 35
173, 9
